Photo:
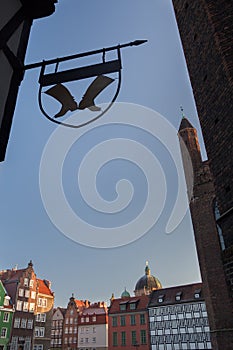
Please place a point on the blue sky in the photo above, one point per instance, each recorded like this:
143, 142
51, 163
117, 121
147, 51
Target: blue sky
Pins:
154, 76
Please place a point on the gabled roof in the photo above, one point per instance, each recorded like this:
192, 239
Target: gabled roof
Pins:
141, 302
11, 275
167, 296
79, 303
43, 287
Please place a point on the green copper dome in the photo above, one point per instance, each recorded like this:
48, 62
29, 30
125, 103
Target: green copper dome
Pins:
125, 294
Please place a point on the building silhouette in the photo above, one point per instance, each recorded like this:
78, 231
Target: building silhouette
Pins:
208, 240
206, 32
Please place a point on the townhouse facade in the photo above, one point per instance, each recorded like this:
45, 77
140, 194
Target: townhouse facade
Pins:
129, 323
57, 328
70, 325
43, 315
21, 286
6, 317
33, 303
93, 327
178, 318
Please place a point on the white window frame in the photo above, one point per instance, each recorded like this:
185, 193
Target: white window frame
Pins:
21, 292
23, 323
30, 324
17, 322
19, 305
3, 332
6, 317
25, 282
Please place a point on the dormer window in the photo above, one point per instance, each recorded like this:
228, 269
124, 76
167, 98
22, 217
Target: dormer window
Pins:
197, 294
178, 296
123, 305
132, 306
161, 298
6, 300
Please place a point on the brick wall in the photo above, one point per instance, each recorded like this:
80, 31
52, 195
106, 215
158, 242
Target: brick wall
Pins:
206, 29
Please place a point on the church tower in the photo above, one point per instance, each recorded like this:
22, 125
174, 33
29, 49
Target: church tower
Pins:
216, 289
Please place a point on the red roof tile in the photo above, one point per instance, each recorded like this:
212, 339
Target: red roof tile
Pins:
142, 302
43, 288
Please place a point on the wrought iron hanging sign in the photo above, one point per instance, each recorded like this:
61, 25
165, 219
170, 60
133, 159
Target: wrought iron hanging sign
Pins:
99, 73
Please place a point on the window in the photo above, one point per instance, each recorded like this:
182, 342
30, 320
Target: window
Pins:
142, 319
94, 340
21, 290
114, 321
30, 324
25, 306
178, 296
132, 306
197, 294
86, 340
82, 319
143, 336
41, 317
114, 338
66, 330
132, 320
71, 320
25, 282
31, 283
87, 319
160, 298
71, 330
71, 312
32, 307
6, 317
27, 293
38, 347
93, 318
14, 344
122, 320
122, 307
39, 331
94, 330
33, 294
123, 338
19, 305
3, 332
23, 323
42, 302
74, 340
133, 337
17, 323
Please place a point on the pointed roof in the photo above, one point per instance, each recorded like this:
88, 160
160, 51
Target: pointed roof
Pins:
185, 124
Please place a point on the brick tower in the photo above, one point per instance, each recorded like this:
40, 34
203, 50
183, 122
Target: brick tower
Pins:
206, 30
216, 290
